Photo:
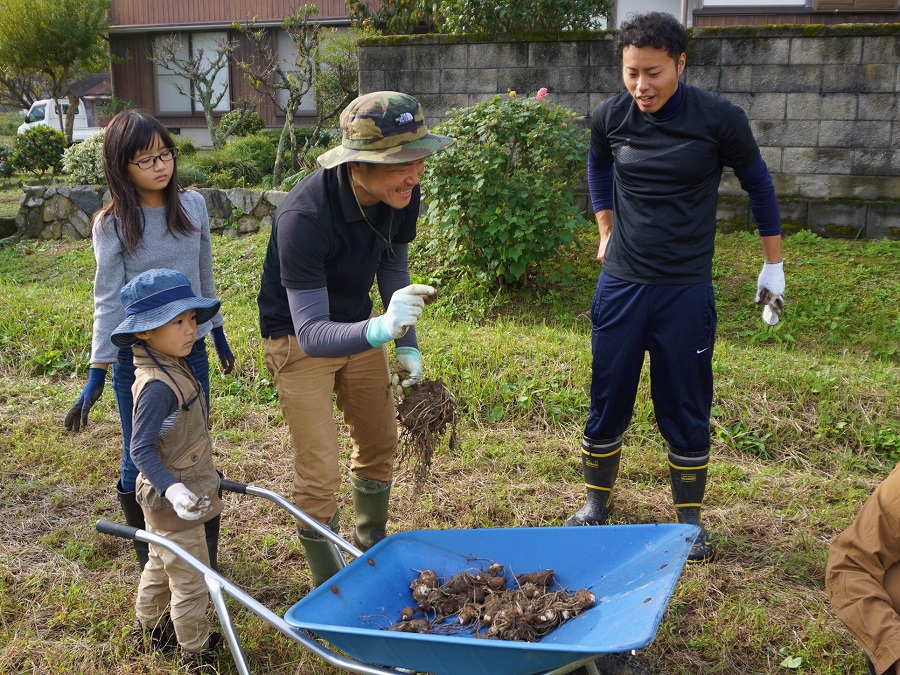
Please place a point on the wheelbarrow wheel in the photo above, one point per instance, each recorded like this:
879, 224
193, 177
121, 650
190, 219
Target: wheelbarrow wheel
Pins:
620, 663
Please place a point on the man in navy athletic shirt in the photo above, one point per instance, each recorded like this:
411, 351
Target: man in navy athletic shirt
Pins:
656, 157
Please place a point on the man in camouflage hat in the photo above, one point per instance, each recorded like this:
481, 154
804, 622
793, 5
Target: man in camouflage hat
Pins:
336, 232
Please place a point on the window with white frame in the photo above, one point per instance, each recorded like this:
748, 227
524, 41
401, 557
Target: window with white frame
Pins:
175, 94
287, 53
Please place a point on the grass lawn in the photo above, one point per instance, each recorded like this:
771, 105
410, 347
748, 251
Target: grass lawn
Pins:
805, 425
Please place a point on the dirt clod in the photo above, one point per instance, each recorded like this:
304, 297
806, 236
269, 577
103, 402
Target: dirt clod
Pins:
426, 414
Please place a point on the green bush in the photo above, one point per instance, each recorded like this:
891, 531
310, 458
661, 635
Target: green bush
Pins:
185, 145
504, 194
241, 123
84, 161
40, 149
242, 162
9, 123
511, 16
191, 176
7, 165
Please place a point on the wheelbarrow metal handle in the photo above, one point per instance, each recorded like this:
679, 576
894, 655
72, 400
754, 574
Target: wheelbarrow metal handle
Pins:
116, 529
233, 486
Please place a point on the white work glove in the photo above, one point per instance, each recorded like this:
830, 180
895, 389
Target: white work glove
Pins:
409, 361
187, 505
403, 311
770, 291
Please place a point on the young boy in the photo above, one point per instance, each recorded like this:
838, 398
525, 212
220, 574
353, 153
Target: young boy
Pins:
177, 487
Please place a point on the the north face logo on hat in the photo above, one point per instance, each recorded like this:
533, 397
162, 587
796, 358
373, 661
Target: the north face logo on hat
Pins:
405, 118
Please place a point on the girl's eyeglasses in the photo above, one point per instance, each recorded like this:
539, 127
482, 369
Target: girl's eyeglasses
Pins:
148, 162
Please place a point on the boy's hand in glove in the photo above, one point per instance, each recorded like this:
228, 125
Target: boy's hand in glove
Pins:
187, 505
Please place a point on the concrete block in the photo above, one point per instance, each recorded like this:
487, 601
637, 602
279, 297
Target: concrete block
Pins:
526, 81
881, 49
821, 106
558, 54
872, 162
418, 80
454, 56
837, 219
756, 51
371, 80
704, 52
704, 77
878, 107
794, 214
576, 102
736, 78
602, 54
858, 79
815, 50
850, 134
786, 133
605, 80
437, 106
766, 106
500, 55
392, 57
572, 80
816, 160
772, 158
787, 79
883, 221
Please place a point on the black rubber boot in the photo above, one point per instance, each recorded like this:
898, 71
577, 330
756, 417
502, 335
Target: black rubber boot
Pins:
371, 499
600, 464
322, 556
134, 516
212, 541
688, 476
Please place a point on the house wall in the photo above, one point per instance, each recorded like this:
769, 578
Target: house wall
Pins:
162, 14
822, 102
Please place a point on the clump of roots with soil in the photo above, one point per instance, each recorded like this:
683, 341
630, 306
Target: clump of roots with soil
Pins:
426, 414
489, 604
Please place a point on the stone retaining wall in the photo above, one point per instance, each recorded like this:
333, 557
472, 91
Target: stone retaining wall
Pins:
62, 212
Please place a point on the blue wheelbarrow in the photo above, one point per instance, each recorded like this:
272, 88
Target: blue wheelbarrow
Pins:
631, 570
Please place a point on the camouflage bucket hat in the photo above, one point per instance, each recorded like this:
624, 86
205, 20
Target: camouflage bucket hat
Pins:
384, 127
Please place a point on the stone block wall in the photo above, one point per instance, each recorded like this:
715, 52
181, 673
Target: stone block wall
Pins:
822, 101
62, 212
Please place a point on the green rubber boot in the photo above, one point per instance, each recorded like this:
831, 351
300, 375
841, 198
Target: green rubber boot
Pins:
600, 464
688, 476
322, 556
371, 499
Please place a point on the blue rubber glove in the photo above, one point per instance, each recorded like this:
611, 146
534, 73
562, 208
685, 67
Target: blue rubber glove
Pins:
409, 361
226, 356
77, 417
403, 311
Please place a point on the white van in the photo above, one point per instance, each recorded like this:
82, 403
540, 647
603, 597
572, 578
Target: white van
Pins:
43, 111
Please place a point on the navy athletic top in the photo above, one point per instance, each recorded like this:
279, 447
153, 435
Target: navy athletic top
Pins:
667, 169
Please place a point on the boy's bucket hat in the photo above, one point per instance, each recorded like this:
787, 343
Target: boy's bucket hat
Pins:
155, 297
384, 127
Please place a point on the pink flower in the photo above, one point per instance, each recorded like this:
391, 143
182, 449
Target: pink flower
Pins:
542, 92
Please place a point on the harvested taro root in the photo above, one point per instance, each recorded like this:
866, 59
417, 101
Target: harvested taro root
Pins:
487, 604
426, 414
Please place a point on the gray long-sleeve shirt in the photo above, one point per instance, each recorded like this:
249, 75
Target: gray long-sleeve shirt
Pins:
189, 254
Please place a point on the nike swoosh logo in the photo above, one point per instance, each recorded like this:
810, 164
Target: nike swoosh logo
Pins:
700, 351
628, 155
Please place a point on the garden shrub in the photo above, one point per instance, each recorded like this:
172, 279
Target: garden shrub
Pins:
511, 16
242, 162
191, 176
9, 123
40, 149
503, 195
240, 123
185, 145
84, 161
7, 165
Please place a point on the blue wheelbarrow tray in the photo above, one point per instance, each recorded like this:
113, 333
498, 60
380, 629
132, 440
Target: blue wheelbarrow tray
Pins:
631, 569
